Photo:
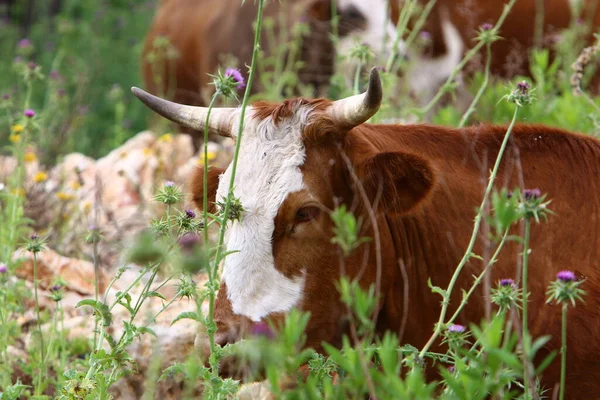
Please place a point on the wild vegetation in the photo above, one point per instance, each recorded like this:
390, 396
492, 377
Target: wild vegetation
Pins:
65, 89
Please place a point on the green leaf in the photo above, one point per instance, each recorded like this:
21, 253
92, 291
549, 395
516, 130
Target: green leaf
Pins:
436, 289
546, 362
101, 308
156, 294
145, 329
187, 315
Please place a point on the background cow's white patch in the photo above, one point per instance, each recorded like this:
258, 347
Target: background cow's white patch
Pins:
379, 33
268, 170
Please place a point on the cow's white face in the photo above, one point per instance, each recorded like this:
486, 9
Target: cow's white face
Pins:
376, 29
268, 170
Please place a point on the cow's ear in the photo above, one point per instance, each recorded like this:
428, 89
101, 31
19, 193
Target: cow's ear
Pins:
320, 9
396, 182
197, 187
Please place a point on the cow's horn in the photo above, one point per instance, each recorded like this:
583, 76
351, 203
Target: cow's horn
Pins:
221, 121
355, 110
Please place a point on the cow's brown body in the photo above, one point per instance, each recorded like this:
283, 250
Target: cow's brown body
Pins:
416, 187
430, 240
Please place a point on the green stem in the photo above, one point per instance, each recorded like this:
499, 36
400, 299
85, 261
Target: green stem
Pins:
492, 261
205, 176
465, 60
468, 252
524, 324
39, 324
406, 13
28, 93
131, 285
539, 23
486, 79
420, 22
96, 283
563, 352
211, 303
335, 21
153, 319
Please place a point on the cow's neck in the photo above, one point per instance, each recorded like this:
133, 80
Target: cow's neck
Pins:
430, 241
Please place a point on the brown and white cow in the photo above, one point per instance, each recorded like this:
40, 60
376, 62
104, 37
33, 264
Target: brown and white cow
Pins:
416, 188
204, 32
453, 27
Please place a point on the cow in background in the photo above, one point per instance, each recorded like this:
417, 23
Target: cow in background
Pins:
416, 188
204, 32
453, 25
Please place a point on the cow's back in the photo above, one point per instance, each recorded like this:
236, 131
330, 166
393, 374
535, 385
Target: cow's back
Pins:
431, 240
197, 30
510, 55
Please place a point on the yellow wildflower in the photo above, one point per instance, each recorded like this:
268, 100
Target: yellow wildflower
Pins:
211, 155
40, 177
75, 185
147, 151
167, 138
63, 196
20, 192
17, 128
29, 157
14, 138
87, 207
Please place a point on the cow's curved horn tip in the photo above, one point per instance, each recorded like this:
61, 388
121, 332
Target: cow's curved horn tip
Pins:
375, 87
136, 90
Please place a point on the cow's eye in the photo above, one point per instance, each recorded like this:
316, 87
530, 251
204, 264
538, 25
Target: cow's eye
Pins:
307, 214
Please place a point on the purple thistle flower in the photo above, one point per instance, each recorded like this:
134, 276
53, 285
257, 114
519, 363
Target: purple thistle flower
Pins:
532, 194
31, 65
55, 288
3, 268
24, 43
451, 369
236, 75
523, 87
566, 276
55, 75
6, 96
507, 282
190, 214
29, 113
455, 328
486, 27
189, 240
425, 35
169, 184
34, 236
262, 329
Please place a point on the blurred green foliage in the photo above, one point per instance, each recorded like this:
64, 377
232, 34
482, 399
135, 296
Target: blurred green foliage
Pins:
89, 53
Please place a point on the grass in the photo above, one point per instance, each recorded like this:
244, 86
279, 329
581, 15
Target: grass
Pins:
83, 58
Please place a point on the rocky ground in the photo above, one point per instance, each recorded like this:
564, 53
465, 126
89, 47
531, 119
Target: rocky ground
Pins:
115, 195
